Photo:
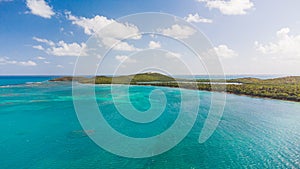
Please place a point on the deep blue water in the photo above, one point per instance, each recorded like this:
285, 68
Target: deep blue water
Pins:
39, 129
15, 80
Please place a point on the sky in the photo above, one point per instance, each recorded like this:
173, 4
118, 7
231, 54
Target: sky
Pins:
47, 37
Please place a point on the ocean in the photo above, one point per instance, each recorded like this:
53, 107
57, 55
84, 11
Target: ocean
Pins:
17, 80
40, 129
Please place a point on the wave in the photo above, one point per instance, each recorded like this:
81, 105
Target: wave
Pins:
21, 84
33, 82
6, 86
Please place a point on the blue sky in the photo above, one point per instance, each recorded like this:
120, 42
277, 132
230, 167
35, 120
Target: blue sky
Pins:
249, 36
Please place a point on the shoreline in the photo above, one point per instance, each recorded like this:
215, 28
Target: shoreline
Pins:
283, 88
227, 92
252, 96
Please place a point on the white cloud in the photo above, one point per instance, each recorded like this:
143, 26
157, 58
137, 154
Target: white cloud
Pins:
27, 63
65, 49
110, 35
6, 60
153, 35
286, 44
124, 58
90, 25
179, 32
40, 8
48, 42
121, 58
40, 58
197, 19
60, 66
124, 46
231, 7
118, 45
62, 48
225, 52
39, 47
173, 55
154, 45
46, 62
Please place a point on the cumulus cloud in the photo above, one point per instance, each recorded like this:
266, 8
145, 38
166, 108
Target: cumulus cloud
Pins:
65, 49
179, 32
48, 42
39, 47
197, 19
116, 32
27, 63
121, 58
231, 7
124, 58
285, 44
154, 45
6, 60
40, 8
62, 48
40, 58
225, 52
118, 45
170, 54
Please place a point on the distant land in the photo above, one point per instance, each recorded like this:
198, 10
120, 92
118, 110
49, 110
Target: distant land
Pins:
283, 88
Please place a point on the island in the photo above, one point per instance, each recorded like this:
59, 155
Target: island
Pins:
283, 88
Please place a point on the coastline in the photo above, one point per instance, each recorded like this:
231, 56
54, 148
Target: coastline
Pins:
228, 92
283, 88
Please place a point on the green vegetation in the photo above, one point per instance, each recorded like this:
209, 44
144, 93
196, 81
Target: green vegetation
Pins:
285, 88
130, 79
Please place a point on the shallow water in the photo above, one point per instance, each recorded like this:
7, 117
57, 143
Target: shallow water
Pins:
39, 129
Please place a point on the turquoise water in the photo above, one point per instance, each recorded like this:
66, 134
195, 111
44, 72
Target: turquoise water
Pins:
15, 80
39, 129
